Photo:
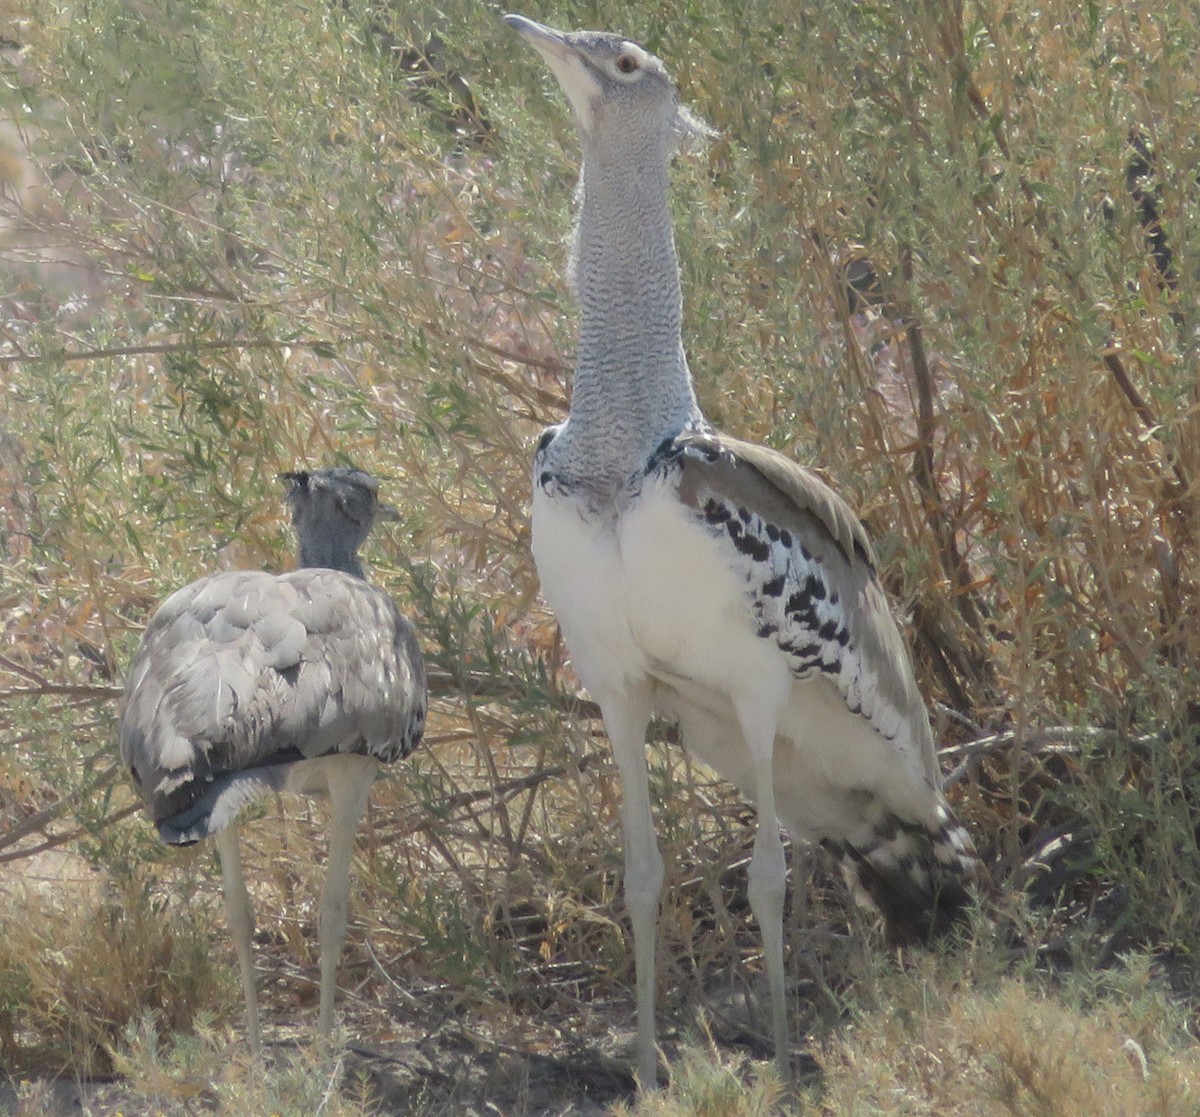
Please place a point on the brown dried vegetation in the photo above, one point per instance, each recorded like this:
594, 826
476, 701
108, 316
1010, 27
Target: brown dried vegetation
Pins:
947, 252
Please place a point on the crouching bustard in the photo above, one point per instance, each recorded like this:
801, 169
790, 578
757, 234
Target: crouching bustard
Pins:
713, 582
247, 682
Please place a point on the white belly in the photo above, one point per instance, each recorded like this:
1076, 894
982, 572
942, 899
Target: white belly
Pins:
650, 595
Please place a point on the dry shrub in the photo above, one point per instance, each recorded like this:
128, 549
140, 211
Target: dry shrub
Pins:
205, 1072
316, 234
76, 970
706, 1084
1016, 1049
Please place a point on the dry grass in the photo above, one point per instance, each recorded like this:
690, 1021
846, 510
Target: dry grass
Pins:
77, 968
238, 238
1018, 1049
197, 1073
937, 1039
705, 1083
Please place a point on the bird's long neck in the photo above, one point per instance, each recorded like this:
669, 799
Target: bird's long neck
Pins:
330, 550
632, 386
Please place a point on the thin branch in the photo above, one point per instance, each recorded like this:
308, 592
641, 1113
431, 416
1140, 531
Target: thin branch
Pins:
165, 347
45, 689
477, 684
441, 683
438, 814
1114, 364
547, 364
24, 672
1052, 740
968, 661
70, 836
43, 686
40, 819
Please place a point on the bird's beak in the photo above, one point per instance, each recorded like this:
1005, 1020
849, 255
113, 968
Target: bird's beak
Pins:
545, 40
387, 513
566, 61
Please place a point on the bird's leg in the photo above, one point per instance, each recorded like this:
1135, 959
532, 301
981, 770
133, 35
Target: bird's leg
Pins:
768, 871
241, 926
626, 720
800, 930
350, 779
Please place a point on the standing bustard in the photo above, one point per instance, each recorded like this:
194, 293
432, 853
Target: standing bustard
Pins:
715, 582
247, 682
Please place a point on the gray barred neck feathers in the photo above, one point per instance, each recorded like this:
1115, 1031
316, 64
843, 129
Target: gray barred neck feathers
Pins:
613, 430
330, 554
632, 386
562, 465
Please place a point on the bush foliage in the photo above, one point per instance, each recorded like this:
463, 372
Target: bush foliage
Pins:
947, 252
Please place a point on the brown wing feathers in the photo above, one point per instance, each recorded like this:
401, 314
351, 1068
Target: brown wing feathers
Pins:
814, 592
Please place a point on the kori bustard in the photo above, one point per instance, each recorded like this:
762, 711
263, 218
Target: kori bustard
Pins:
714, 582
247, 682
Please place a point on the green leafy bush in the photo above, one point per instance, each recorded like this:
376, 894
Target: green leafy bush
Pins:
946, 252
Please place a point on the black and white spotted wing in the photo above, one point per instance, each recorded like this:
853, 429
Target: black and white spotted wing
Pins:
809, 571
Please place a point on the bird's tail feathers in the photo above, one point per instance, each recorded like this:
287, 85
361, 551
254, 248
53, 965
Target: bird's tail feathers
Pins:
918, 876
221, 802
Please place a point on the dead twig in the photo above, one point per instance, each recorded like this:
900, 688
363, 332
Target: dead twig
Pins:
314, 344
1144, 412
70, 835
39, 820
70, 691
969, 662
478, 684
1051, 740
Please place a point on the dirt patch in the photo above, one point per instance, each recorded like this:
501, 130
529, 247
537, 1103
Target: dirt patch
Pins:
445, 1075
423, 1055
425, 1060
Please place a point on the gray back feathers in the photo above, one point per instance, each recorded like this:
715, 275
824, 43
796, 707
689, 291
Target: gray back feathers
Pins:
240, 675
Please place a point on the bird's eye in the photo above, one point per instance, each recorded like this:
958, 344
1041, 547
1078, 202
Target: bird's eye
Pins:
626, 63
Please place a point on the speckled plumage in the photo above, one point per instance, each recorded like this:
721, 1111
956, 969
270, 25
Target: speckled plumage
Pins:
247, 682
813, 590
791, 585
713, 582
246, 670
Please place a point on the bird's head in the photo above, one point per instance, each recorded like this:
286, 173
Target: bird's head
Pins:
333, 510
616, 88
